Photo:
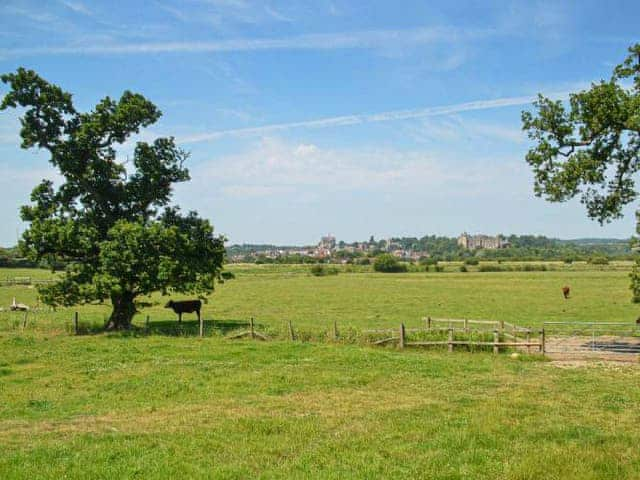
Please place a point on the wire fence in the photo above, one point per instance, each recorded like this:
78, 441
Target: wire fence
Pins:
592, 338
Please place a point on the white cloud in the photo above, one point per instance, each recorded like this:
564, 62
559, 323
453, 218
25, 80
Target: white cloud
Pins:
455, 129
273, 166
369, 39
77, 7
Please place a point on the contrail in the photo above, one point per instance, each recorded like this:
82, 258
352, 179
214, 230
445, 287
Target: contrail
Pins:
315, 41
388, 116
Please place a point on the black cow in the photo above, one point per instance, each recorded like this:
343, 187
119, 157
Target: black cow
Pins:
185, 306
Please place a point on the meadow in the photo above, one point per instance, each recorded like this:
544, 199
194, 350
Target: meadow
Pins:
169, 404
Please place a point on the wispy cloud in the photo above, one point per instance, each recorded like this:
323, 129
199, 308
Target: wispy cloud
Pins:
272, 166
388, 116
321, 41
77, 7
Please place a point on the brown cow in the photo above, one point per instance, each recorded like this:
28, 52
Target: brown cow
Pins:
566, 291
185, 306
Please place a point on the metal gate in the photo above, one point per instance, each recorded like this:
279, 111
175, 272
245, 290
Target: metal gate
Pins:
593, 339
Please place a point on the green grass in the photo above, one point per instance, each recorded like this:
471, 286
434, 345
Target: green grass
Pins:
166, 406
278, 294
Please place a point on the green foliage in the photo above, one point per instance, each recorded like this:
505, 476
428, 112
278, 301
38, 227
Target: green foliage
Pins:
635, 282
591, 149
428, 261
320, 270
599, 260
110, 224
463, 269
471, 261
491, 268
388, 264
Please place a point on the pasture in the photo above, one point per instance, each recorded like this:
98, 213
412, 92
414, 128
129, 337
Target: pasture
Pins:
123, 405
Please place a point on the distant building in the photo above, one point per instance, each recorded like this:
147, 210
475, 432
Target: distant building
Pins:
473, 242
328, 242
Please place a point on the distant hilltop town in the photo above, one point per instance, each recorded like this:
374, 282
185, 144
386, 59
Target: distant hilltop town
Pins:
409, 249
329, 248
473, 242
429, 248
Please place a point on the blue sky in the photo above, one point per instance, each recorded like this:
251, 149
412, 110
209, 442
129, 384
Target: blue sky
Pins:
303, 118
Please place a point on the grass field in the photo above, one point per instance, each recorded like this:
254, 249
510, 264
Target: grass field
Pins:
165, 406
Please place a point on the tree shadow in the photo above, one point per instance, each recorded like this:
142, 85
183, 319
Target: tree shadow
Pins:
168, 328
191, 328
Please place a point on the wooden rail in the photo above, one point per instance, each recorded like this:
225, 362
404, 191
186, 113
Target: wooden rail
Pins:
505, 335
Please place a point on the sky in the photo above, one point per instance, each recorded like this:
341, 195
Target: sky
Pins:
304, 118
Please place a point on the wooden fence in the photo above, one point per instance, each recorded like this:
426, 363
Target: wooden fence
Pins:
498, 335
24, 281
505, 335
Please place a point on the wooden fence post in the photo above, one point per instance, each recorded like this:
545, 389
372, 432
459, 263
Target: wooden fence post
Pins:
496, 340
335, 330
502, 325
542, 341
450, 340
401, 343
529, 341
75, 322
292, 337
466, 325
146, 325
251, 329
24, 322
201, 326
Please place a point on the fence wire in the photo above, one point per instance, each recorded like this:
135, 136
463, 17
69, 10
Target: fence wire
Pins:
592, 338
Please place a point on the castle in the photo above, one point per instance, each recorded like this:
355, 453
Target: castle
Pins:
472, 242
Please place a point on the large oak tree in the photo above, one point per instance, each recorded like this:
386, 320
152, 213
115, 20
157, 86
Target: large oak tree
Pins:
590, 148
109, 220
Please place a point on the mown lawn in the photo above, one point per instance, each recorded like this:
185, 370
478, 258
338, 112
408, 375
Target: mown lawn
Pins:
167, 406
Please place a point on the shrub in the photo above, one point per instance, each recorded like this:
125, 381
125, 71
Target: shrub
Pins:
463, 269
388, 264
438, 268
320, 270
491, 268
528, 267
428, 261
471, 261
599, 261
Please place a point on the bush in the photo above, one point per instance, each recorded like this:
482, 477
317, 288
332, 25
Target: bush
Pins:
528, 267
428, 261
463, 269
388, 264
599, 261
320, 270
439, 268
491, 268
471, 261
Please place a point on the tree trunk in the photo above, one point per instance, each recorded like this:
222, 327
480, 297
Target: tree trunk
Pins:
123, 311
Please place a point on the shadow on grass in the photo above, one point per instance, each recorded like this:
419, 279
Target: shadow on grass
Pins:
170, 328
192, 327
